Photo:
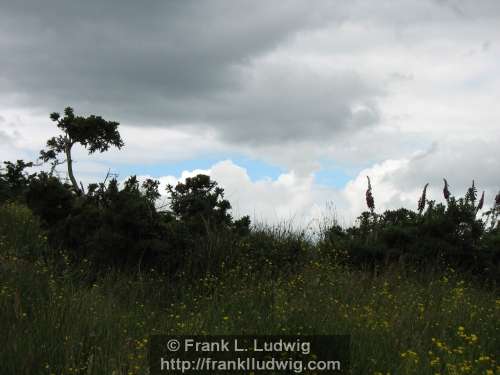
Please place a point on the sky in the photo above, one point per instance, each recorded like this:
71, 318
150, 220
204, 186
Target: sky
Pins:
287, 104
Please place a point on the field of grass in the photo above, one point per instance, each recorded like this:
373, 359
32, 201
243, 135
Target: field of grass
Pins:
57, 319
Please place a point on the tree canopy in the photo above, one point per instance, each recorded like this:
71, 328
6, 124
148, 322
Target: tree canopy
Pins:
92, 132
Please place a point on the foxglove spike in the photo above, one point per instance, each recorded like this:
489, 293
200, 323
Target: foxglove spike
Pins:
481, 202
422, 200
370, 202
446, 191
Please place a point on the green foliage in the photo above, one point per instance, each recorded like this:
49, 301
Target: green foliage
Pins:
20, 232
202, 235
437, 233
400, 322
280, 248
200, 203
113, 226
49, 198
122, 226
92, 132
493, 214
14, 180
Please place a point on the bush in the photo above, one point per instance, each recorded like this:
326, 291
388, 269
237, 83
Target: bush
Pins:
116, 227
279, 249
200, 234
50, 199
449, 233
14, 181
123, 228
20, 232
112, 227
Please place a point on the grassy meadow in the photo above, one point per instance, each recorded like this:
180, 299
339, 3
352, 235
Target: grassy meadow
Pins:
57, 317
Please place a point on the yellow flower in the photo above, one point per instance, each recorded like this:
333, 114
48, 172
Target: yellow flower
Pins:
435, 362
410, 355
484, 358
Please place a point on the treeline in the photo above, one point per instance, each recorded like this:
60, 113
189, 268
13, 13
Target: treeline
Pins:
121, 225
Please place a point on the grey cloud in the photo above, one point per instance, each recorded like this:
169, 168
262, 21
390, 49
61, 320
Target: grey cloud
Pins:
5, 138
401, 77
472, 9
175, 63
197, 63
9, 137
92, 51
458, 161
287, 104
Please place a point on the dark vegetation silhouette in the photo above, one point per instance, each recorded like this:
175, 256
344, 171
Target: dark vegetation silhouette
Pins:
93, 132
121, 225
437, 234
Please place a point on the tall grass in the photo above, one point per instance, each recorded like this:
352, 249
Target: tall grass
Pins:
56, 320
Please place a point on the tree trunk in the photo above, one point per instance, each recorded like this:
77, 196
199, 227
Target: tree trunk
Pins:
69, 161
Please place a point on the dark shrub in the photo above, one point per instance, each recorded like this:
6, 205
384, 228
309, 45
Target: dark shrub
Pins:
14, 180
451, 233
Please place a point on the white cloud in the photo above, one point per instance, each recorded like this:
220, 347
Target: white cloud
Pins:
288, 198
300, 199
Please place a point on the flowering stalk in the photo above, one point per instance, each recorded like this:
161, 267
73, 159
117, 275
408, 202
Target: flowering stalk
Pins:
446, 191
481, 203
422, 200
370, 202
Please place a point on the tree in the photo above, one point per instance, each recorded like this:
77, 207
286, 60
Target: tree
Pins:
200, 201
92, 132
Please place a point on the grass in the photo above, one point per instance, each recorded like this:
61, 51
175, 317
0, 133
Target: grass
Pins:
56, 319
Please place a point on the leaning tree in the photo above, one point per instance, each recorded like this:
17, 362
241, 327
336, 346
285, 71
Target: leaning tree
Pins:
92, 132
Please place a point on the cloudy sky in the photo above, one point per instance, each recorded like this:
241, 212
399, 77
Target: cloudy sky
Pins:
288, 104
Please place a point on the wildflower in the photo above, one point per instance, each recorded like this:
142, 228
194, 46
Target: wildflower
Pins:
410, 355
472, 338
446, 191
481, 202
422, 200
435, 362
370, 202
497, 200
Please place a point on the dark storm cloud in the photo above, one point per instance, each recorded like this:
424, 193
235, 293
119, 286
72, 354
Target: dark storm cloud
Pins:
97, 51
173, 63
284, 105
